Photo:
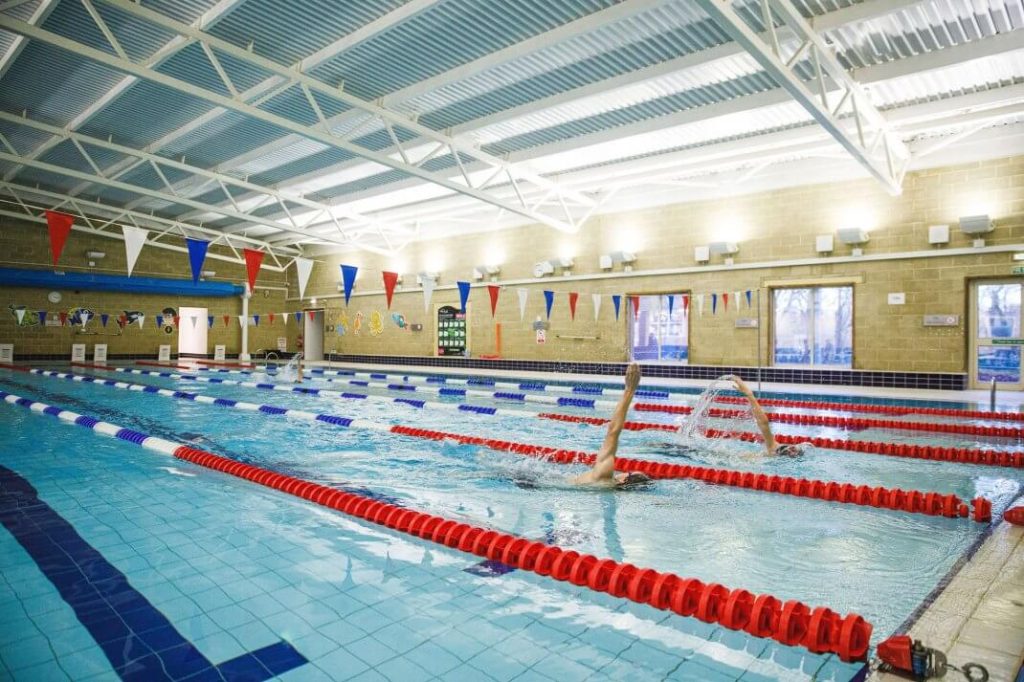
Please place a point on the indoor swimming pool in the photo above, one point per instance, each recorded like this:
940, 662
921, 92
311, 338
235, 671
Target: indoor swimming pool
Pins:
169, 570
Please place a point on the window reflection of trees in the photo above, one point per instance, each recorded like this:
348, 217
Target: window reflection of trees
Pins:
813, 326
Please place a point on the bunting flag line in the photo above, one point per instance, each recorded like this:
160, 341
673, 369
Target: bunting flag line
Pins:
86, 316
428, 292
671, 303
549, 300
617, 302
390, 280
493, 290
284, 318
736, 300
635, 300
20, 314
348, 279
104, 318
63, 318
227, 318
303, 266
242, 320
160, 320
209, 321
596, 298
58, 225
256, 320
725, 301
748, 297
141, 320
699, 300
522, 294
134, 240
270, 317
573, 297
463, 295
196, 256
686, 305
253, 260
714, 303
298, 317
312, 315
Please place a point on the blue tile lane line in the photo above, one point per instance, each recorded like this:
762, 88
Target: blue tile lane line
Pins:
135, 636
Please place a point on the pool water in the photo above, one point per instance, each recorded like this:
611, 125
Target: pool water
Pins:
235, 568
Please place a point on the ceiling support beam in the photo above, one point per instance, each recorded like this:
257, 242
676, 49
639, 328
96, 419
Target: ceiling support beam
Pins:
849, 116
322, 90
9, 55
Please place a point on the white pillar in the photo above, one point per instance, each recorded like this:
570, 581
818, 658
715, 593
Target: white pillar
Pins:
244, 355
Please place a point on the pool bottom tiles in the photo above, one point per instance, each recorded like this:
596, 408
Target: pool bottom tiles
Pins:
117, 563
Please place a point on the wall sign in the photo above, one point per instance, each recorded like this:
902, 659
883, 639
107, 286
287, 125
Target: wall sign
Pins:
99, 354
7, 352
452, 331
897, 298
542, 337
78, 352
165, 353
218, 352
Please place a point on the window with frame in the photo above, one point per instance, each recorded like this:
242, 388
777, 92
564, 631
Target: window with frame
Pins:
655, 335
813, 326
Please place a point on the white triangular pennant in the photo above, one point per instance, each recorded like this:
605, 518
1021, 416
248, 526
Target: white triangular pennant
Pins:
194, 320
699, 300
242, 319
142, 319
523, 294
86, 316
285, 316
596, 298
303, 266
20, 314
428, 292
134, 240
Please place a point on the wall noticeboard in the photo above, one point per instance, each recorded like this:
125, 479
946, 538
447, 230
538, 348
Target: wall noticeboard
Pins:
452, 331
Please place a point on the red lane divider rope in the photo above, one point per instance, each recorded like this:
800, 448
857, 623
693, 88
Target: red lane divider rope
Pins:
910, 501
999, 458
847, 422
224, 364
792, 623
881, 409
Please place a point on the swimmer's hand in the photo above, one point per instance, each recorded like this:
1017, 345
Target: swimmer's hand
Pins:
632, 376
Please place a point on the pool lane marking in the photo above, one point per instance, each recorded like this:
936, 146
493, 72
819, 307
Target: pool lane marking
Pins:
912, 501
137, 639
793, 623
988, 457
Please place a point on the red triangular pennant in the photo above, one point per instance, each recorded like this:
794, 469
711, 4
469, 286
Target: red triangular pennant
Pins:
573, 297
59, 225
492, 291
62, 315
177, 320
635, 300
227, 318
390, 280
253, 259
312, 315
686, 304
270, 316
725, 301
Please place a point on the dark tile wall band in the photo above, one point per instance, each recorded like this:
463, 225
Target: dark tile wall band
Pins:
835, 377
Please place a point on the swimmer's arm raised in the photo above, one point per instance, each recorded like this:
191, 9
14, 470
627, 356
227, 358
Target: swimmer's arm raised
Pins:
604, 466
759, 416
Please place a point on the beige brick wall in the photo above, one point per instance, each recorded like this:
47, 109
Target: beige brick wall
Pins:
773, 226
25, 244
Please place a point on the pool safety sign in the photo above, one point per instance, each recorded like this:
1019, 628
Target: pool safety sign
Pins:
1008, 342
452, 331
78, 352
542, 336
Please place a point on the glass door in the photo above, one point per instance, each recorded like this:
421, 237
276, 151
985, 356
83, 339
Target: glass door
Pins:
996, 334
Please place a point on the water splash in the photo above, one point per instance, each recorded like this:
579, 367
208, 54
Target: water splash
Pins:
290, 372
693, 427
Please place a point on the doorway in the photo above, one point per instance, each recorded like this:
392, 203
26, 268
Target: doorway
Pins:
996, 334
192, 328
313, 335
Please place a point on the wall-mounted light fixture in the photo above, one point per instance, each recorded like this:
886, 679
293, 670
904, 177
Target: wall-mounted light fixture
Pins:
726, 249
701, 254
855, 237
975, 226
482, 271
938, 234
627, 258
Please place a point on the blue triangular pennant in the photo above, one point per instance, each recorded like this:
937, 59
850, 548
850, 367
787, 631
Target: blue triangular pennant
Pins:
617, 301
196, 256
714, 303
298, 316
463, 294
549, 299
256, 319
209, 321
42, 317
671, 303
103, 319
159, 320
348, 279
748, 297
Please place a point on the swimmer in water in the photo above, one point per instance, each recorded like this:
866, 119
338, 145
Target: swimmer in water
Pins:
603, 473
772, 447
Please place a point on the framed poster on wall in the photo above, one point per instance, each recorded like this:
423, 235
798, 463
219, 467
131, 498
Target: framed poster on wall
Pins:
452, 331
